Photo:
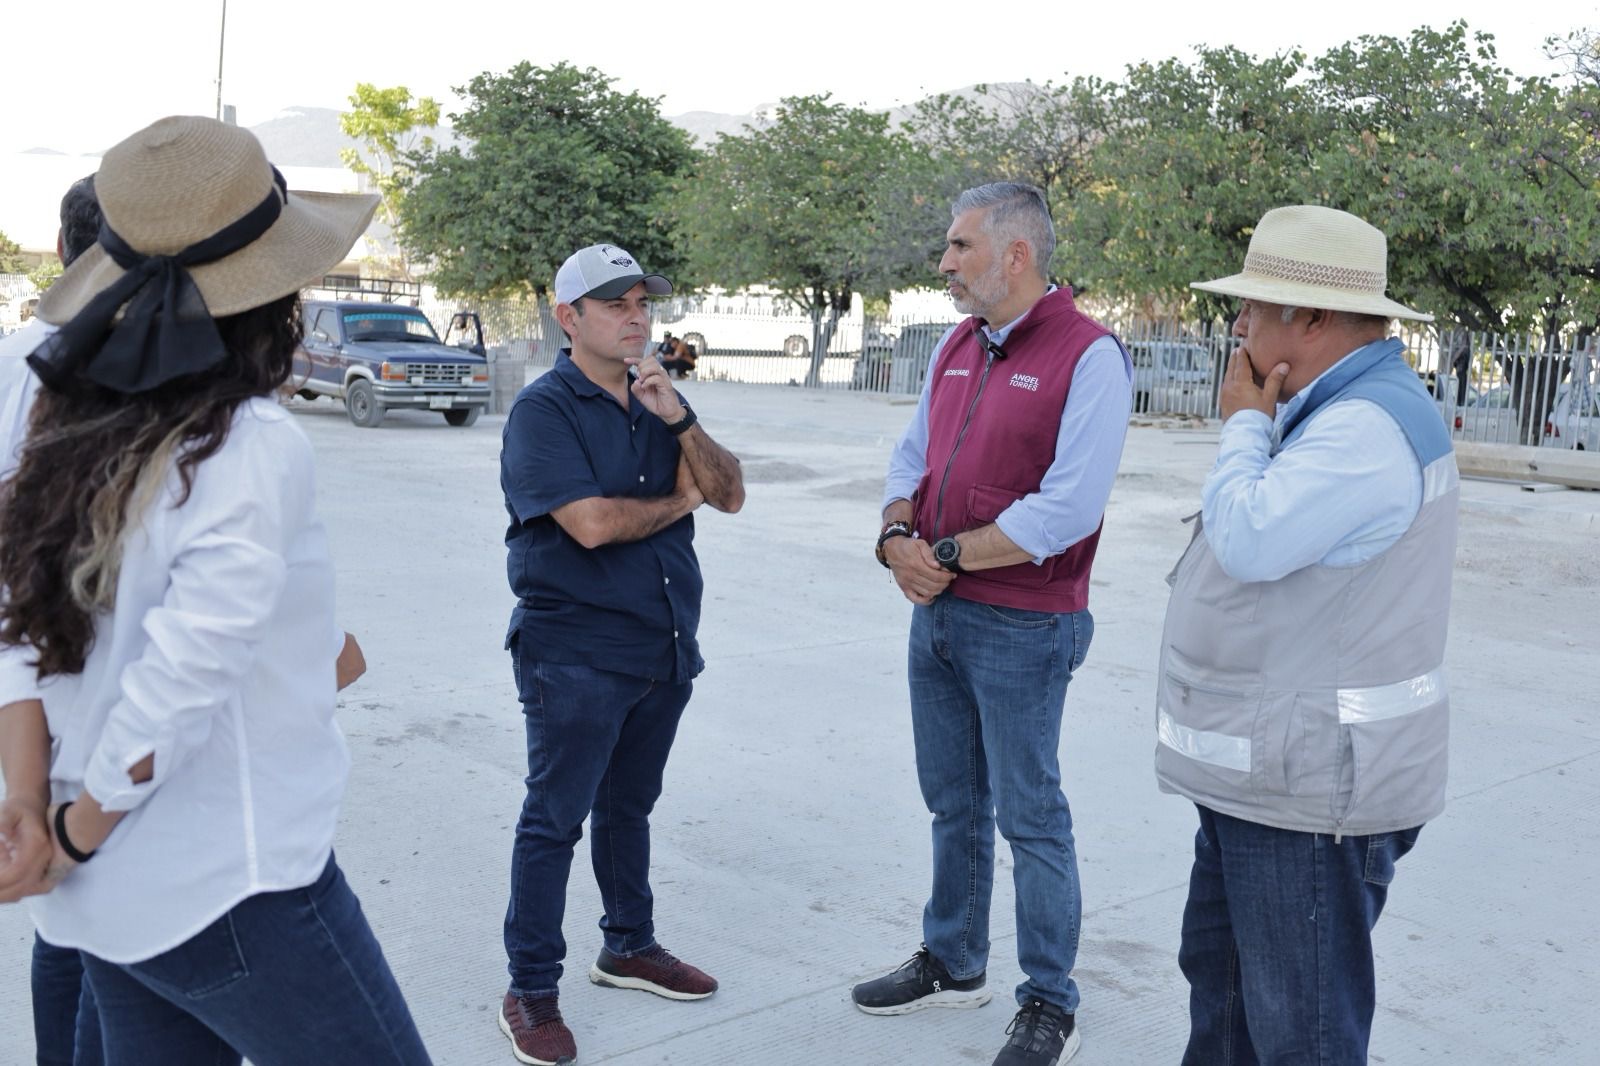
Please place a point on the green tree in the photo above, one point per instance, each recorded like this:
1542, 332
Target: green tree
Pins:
389, 125
1190, 158
554, 159
1045, 135
10, 255
1462, 165
45, 274
804, 205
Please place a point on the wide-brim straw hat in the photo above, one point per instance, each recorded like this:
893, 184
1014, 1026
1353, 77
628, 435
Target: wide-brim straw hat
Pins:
182, 180
1310, 256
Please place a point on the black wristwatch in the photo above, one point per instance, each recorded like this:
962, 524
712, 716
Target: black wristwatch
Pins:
947, 553
682, 425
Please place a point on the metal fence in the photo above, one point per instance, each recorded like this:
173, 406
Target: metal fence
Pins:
1495, 388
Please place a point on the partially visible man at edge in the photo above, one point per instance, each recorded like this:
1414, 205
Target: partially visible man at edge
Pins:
992, 513
1301, 703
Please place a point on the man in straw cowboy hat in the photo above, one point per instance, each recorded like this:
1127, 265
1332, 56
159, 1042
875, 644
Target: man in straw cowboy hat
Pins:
167, 579
1301, 704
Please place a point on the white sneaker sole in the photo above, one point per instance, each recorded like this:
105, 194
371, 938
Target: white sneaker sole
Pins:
505, 1027
954, 999
600, 977
1074, 1042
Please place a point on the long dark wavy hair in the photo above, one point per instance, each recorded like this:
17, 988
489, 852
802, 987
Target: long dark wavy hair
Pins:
95, 460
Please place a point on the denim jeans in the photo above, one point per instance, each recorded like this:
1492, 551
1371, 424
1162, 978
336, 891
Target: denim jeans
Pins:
285, 978
597, 747
987, 689
1277, 943
66, 1023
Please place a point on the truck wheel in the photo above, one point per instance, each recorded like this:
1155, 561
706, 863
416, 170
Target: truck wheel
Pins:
364, 408
462, 416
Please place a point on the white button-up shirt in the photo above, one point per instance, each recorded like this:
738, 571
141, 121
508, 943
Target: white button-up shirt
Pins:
218, 660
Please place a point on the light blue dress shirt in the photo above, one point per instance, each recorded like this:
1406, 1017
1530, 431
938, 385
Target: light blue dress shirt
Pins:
1340, 494
1072, 496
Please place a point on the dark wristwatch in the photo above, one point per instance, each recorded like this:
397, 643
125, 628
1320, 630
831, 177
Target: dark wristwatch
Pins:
947, 553
683, 425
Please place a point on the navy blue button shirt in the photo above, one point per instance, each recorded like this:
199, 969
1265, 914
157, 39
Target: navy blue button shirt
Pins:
632, 608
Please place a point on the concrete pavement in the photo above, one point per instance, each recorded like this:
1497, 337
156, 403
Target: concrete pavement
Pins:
791, 846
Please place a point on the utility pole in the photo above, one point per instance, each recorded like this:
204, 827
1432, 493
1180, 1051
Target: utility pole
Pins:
222, 37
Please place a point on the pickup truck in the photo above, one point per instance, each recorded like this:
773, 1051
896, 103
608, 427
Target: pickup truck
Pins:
378, 356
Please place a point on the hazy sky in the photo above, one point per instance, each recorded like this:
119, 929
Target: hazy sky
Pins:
81, 74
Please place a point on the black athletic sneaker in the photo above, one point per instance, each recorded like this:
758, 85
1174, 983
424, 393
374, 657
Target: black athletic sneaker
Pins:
1042, 1034
921, 982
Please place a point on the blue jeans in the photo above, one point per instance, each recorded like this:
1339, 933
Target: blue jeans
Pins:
285, 978
1277, 943
66, 1023
597, 747
987, 689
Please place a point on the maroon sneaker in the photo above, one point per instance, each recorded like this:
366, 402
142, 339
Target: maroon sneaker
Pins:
653, 970
538, 1035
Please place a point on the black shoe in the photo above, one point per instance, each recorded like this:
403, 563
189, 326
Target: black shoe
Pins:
1042, 1034
921, 982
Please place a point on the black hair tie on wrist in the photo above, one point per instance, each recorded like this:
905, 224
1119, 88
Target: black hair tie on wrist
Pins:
61, 837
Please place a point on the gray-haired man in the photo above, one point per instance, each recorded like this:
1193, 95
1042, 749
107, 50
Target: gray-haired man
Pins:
992, 513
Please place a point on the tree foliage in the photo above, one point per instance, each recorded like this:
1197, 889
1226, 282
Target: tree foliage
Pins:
803, 205
10, 255
391, 127
554, 159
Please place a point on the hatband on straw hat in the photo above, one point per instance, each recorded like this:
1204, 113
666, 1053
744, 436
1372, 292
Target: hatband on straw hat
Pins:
185, 178
1309, 256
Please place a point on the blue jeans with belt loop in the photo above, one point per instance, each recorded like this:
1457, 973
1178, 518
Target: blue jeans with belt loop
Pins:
1277, 942
988, 687
284, 978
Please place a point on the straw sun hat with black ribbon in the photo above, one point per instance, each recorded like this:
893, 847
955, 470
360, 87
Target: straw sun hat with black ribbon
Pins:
196, 225
1311, 256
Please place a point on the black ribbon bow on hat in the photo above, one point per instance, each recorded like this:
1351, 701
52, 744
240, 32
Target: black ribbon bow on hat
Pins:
166, 330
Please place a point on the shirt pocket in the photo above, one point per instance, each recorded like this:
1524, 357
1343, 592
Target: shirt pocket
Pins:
985, 503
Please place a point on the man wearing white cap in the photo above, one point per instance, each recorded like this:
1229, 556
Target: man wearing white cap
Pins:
602, 465
1301, 704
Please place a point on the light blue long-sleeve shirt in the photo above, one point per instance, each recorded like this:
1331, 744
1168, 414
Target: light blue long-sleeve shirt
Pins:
1072, 495
1344, 491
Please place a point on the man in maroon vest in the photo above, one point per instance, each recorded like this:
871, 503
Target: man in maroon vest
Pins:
992, 512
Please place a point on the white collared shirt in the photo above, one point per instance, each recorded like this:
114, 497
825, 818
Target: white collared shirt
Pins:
218, 659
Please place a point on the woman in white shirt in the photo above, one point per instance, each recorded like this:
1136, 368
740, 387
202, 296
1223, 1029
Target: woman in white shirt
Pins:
168, 583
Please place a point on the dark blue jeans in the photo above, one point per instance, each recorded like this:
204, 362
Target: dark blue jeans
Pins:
597, 747
285, 978
1277, 943
66, 1023
988, 686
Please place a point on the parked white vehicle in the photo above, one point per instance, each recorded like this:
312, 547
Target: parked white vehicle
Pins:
1171, 376
1574, 420
749, 322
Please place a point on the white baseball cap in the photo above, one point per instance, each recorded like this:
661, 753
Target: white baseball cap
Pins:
604, 272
